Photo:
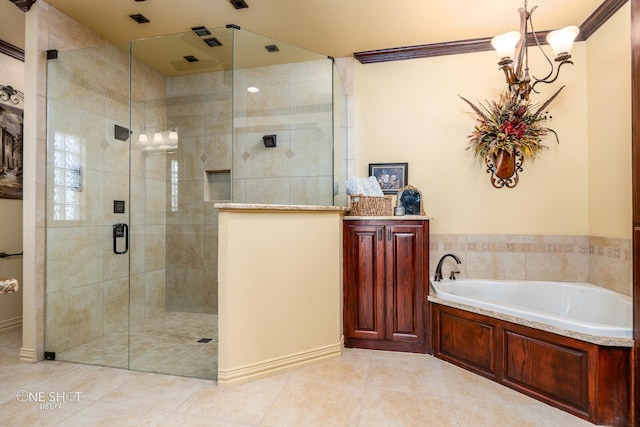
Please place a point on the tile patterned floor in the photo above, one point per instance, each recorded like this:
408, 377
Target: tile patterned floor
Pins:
360, 388
166, 344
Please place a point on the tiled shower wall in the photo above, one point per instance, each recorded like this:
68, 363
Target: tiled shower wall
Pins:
600, 261
87, 292
294, 103
200, 106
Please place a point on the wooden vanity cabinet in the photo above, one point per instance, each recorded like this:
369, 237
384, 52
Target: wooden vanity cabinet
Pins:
386, 268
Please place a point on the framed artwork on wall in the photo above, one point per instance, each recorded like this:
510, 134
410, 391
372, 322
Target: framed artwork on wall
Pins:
391, 176
11, 121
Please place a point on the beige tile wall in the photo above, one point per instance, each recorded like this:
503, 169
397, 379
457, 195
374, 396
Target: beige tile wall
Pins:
200, 106
86, 283
600, 261
295, 103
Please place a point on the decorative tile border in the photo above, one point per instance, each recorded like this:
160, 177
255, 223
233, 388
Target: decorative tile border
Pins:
597, 246
598, 260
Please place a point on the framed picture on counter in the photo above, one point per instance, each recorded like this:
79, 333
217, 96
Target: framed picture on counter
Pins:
391, 176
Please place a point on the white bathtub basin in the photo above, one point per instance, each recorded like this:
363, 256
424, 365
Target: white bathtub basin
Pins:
579, 307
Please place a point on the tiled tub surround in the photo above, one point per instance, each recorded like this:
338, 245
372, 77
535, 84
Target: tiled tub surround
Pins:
600, 261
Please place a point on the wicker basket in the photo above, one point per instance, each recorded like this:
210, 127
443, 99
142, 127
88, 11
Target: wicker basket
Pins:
371, 205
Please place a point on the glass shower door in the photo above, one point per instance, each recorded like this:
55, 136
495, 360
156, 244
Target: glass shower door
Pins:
131, 278
87, 215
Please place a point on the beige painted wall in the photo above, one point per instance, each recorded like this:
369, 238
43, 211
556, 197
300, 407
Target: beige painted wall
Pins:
12, 29
580, 187
280, 290
409, 111
11, 242
609, 127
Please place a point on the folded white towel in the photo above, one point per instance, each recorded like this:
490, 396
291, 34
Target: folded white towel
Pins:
354, 185
364, 186
375, 187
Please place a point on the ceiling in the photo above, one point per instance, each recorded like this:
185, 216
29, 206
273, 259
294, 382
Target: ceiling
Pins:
335, 28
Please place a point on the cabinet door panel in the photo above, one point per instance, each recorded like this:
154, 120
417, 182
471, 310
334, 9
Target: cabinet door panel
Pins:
558, 372
364, 284
404, 257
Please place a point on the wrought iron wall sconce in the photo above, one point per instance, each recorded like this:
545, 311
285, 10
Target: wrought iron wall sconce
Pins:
504, 169
9, 94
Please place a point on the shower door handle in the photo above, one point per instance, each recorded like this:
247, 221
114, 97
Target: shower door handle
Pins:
120, 231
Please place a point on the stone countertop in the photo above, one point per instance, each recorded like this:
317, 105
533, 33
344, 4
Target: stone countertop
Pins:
594, 339
387, 218
276, 207
8, 285
227, 206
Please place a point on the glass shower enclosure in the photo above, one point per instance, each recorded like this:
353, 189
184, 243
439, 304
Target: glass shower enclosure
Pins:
142, 141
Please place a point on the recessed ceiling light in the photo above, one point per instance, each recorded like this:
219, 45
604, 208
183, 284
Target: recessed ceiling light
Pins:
201, 31
239, 4
213, 42
253, 89
139, 18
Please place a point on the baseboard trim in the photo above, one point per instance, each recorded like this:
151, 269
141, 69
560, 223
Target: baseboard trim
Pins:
27, 355
10, 323
270, 367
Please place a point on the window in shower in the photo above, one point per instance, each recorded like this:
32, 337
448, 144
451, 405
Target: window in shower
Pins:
67, 177
174, 185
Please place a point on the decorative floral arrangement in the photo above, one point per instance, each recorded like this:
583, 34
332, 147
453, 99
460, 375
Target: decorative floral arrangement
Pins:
510, 124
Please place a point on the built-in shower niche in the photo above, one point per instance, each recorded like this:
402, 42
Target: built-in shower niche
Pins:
217, 185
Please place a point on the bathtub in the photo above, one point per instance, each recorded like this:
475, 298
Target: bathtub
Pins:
578, 307
565, 344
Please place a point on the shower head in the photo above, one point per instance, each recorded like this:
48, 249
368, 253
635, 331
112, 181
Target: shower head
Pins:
270, 141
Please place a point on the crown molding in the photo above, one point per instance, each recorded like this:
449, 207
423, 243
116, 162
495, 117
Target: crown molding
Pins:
11, 50
607, 9
601, 15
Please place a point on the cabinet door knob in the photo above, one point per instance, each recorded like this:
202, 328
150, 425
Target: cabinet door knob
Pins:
379, 233
388, 234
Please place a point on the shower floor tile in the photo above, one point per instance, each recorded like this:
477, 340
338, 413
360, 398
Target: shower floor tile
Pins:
165, 344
